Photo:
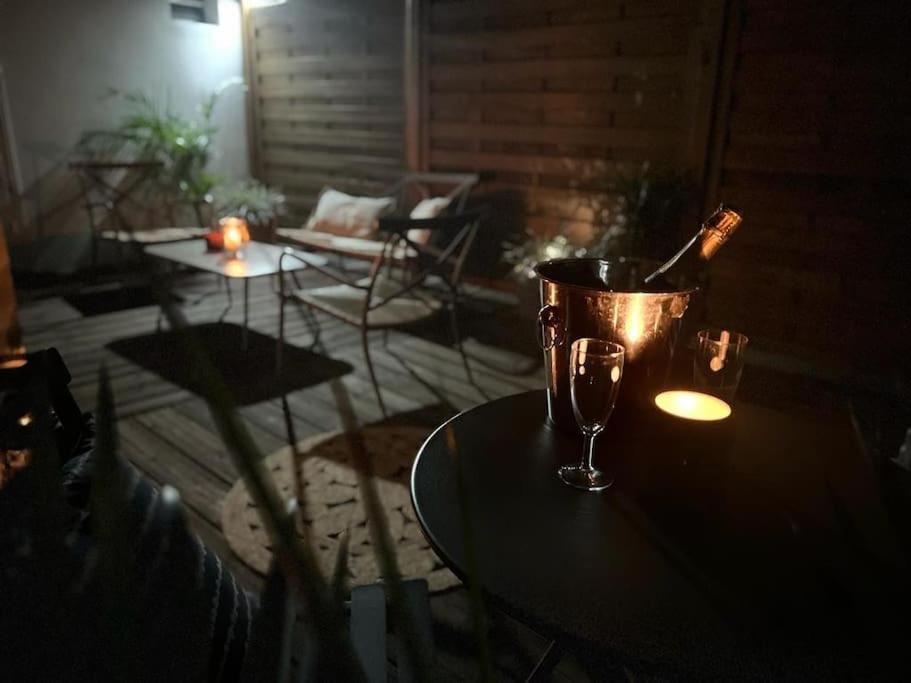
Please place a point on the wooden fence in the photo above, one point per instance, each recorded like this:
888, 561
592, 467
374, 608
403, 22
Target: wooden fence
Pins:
795, 110
551, 97
326, 96
814, 148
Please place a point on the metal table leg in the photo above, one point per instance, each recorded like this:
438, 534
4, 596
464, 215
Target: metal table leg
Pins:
244, 342
168, 277
230, 305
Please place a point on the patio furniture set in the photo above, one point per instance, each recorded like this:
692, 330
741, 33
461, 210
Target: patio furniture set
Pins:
416, 245
755, 547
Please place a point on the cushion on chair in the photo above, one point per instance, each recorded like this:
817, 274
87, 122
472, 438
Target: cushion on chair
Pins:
366, 247
154, 235
347, 303
343, 214
426, 208
357, 247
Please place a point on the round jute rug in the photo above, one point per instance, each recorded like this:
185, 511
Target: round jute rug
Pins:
333, 506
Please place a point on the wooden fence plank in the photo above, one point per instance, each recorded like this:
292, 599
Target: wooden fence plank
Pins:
328, 85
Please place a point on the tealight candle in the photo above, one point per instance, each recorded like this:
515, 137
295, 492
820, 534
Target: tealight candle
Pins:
234, 234
233, 239
692, 405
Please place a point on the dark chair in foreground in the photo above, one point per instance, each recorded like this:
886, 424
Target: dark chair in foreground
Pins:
397, 290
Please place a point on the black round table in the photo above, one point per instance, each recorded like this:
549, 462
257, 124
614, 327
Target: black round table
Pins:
753, 548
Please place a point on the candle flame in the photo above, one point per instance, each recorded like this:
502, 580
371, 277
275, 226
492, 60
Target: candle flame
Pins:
234, 233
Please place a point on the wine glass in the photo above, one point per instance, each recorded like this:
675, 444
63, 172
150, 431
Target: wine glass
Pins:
595, 369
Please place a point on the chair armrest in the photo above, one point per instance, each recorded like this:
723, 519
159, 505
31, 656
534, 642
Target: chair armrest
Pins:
302, 257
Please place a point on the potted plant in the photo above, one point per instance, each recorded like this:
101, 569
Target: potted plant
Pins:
150, 131
644, 217
636, 214
259, 205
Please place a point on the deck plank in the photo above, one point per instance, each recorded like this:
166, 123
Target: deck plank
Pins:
168, 433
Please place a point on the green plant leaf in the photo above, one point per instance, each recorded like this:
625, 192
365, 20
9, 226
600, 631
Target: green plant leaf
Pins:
476, 599
381, 539
295, 557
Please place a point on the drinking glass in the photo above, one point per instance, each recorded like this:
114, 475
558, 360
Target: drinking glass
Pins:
719, 362
595, 369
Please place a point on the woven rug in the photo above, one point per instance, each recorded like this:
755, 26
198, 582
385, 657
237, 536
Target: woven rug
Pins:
333, 505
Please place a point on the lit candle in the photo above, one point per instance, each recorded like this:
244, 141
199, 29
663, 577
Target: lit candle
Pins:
691, 405
234, 233
232, 239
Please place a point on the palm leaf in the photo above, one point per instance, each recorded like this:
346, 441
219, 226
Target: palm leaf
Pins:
380, 537
478, 612
293, 555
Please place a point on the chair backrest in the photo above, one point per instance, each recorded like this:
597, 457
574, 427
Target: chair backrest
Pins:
445, 258
454, 186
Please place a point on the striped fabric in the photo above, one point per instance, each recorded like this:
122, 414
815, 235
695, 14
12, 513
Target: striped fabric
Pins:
173, 565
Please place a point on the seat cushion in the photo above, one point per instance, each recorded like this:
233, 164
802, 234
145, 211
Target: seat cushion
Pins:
357, 247
154, 235
343, 214
347, 303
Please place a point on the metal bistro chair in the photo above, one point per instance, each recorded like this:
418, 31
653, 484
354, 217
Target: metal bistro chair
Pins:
395, 291
109, 186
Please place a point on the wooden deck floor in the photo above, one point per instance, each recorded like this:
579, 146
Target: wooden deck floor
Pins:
166, 431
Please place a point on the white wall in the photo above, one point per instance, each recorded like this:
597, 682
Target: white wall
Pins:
60, 57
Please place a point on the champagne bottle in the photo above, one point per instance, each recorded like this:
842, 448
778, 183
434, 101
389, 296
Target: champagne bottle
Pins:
686, 263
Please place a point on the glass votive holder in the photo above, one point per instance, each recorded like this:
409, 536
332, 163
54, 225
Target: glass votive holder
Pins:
718, 363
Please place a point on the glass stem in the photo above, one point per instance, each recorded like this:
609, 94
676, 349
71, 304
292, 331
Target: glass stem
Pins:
589, 451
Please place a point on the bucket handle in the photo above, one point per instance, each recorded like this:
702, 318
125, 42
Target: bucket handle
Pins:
551, 331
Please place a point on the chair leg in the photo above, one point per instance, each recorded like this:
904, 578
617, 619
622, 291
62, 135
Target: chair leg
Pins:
230, 303
376, 386
313, 323
280, 344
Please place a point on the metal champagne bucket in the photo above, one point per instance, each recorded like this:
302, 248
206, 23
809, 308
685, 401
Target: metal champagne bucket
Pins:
604, 299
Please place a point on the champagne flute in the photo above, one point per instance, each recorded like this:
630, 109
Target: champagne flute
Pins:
595, 369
